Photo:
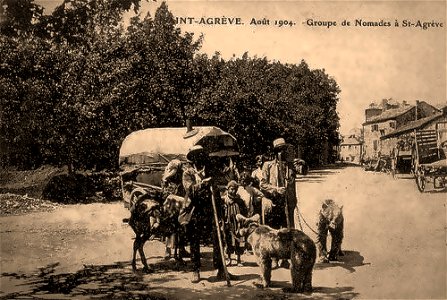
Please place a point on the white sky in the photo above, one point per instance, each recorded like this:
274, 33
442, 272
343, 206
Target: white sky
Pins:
368, 63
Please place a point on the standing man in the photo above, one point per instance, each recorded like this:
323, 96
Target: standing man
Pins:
197, 182
278, 183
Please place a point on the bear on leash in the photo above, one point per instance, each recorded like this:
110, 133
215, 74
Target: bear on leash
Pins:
293, 244
330, 219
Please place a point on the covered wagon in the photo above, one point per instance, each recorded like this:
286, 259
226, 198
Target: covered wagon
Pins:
144, 154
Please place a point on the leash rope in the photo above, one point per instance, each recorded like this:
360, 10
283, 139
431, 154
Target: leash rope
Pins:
300, 216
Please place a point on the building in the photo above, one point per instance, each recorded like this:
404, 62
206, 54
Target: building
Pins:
389, 117
350, 150
404, 135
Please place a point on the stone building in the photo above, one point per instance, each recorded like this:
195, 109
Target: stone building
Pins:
405, 134
389, 117
350, 150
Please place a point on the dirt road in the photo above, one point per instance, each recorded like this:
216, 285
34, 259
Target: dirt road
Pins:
395, 245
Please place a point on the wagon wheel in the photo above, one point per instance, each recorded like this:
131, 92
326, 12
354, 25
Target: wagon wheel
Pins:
420, 180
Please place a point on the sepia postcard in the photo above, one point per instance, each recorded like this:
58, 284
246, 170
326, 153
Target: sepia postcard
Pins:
359, 88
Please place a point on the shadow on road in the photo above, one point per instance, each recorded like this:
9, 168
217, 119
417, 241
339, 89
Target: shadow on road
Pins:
435, 191
117, 281
351, 260
316, 176
335, 293
114, 281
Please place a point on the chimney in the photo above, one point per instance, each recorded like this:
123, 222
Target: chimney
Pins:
384, 104
190, 131
416, 110
404, 103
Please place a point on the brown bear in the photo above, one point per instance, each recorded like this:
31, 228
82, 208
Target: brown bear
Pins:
293, 244
330, 219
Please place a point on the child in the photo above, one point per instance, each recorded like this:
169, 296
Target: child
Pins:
233, 205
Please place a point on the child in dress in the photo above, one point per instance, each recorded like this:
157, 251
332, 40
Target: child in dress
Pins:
233, 205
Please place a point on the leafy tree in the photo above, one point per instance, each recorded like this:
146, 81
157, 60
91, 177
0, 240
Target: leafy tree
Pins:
75, 83
17, 16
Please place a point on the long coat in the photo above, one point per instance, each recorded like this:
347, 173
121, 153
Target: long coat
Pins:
274, 176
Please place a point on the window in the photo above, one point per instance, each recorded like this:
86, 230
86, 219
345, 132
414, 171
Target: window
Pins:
374, 127
382, 131
393, 124
375, 145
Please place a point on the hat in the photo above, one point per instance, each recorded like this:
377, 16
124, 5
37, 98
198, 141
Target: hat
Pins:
279, 143
299, 161
195, 152
232, 183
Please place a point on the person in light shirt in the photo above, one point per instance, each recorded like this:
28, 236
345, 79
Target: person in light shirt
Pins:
257, 173
255, 201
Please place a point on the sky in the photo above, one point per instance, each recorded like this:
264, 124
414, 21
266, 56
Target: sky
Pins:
369, 63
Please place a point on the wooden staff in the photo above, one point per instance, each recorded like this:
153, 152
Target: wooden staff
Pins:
286, 187
262, 213
286, 198
219, 237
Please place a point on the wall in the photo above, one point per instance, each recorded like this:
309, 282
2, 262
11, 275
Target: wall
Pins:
372, 144
351, 153
387, 145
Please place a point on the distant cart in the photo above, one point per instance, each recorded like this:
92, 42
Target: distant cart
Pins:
429, 160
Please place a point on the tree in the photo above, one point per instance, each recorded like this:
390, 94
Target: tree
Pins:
75, 83
17, 17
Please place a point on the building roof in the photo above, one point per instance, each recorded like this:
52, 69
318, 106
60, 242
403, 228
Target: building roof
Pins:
350, 141
411, 126
389, 114
440, 106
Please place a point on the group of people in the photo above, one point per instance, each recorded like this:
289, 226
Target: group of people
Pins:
203, 180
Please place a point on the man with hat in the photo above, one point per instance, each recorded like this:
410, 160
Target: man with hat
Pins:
278, 183
197, 182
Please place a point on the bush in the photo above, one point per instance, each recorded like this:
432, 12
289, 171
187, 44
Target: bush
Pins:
67, 189
83, 188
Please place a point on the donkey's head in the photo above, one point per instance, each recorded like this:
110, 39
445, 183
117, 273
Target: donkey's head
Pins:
145, 216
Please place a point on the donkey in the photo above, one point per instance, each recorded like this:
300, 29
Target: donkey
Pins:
148, 218
144, 220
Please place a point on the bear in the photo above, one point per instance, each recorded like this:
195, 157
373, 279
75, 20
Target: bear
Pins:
330, 219
268, 243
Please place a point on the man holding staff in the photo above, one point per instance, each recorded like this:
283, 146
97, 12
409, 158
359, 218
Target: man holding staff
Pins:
205, 210
278, 183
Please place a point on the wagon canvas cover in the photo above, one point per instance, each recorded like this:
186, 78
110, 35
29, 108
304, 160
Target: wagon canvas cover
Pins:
160, 145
